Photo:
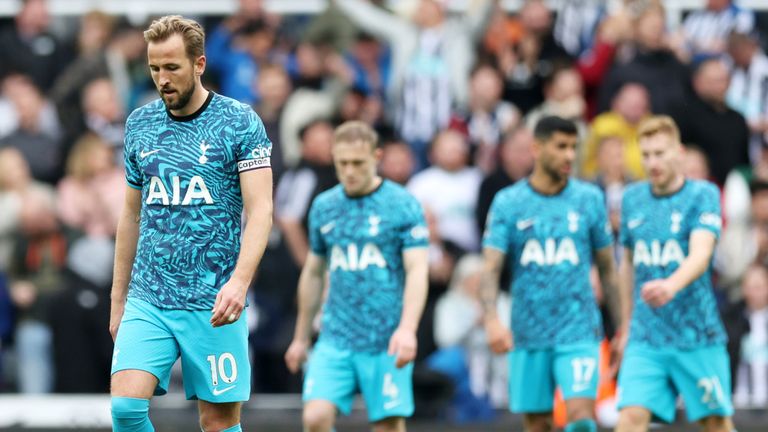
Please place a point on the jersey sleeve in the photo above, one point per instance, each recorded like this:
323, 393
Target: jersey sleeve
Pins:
316, 243
132, 170
498, 228
600, 231
254, 149
708, 216
414, 232
624, 235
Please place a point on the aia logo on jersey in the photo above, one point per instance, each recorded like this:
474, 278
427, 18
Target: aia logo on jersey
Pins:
352, 258
552, 252
657, 254
183, 192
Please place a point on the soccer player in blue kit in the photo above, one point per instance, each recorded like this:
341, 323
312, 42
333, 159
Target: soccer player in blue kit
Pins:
551, 228
197, 165
370, 236
676, 346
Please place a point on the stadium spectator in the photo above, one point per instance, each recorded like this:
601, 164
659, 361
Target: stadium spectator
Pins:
397, 163
705, 31
38, 134
450, 171
28, 47
515, 162
746, 322
747, 92
300, 185
612, 176
274, 86
706, 120
432, 57
650, 63
630, 106
563, 97
696, 163
104, 115
91, 195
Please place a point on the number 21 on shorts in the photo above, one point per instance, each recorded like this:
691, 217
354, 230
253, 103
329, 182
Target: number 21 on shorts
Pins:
225, 368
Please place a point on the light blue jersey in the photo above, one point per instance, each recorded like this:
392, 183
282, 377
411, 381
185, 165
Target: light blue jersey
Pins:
363, 240
187, 169
657, 230
549, 241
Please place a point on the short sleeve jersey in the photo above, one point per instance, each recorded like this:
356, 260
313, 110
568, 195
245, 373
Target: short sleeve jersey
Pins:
550, 241
362, 240
187, 169
657, 230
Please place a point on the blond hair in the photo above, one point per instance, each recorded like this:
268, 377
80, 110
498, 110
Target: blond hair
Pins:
659, 124
354, 131
191, 32
78, 163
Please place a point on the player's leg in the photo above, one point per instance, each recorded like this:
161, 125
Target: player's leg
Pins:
219, 417
143, 356
387, 390
645, 388
716, 424
532, 387
576, 370
215, 366
329, 387
704, 380
390, 424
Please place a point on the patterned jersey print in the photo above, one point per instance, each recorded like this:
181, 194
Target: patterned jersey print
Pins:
362, 240
188, 172
550, 241
657, 230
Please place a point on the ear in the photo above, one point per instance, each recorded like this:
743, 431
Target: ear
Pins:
200, 65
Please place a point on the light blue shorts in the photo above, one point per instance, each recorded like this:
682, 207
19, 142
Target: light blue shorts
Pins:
214, 361
535, 374
653, 378
336, 375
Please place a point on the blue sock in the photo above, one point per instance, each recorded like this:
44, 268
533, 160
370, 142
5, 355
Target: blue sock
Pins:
235, 428
131, 415
583, 425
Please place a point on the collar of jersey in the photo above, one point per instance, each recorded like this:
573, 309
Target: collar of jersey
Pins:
194, 115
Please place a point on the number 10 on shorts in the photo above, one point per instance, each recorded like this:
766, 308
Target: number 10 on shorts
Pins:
219, 368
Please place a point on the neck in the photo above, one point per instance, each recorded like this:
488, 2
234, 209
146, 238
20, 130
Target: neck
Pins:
375, 182
545, 183
670, 187
195, 102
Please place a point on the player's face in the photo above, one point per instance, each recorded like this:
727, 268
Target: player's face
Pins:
662, 159
355, 164
556, 155
176, 76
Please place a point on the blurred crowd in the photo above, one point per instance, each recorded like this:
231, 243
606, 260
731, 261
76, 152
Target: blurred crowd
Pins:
454, 97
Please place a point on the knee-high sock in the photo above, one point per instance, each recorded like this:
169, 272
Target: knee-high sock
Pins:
131, 415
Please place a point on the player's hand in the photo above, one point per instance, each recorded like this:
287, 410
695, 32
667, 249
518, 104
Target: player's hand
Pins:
116, 311
658, 292
296, 355
230, 302
402, 345
499, 336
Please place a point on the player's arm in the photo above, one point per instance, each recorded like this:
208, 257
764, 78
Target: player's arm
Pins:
310, 296
256, 187
616, 297
403, 341
499, 336
701, 246
125, 253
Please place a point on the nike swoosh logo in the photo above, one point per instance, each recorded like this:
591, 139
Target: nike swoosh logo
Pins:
145, 154
578, 388
391, 404
634, 223
325, 229
524, 224
217, 392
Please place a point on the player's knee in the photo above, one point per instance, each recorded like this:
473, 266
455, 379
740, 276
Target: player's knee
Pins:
131, 415
631, 419
317, 418
716, 424
538, 422
391, 424
210, 422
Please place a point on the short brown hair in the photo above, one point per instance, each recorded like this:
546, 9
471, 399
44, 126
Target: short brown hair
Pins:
191, 32
659, 124
354, 131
